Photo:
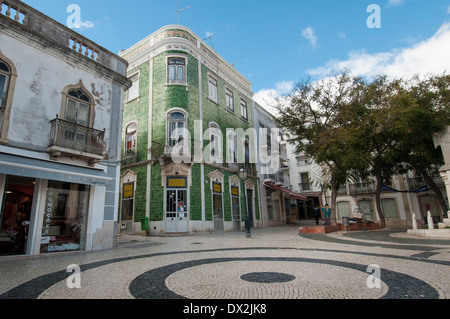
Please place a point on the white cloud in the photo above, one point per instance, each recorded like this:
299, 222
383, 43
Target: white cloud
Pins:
310, 35
267, 98
429, 56
86, 25
448, 10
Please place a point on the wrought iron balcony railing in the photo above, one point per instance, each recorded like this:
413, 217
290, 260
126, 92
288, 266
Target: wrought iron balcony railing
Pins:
305, 187
75, 140
362, 188
417, 182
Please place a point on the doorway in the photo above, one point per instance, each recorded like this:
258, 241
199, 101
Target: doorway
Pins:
15, 215
218, 208
250, 206
176, 211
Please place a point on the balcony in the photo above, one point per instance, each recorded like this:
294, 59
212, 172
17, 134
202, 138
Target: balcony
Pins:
76, 141
418, 182
305, 187
130, 158
362, 188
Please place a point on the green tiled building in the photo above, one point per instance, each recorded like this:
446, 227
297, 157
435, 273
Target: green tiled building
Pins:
186, 100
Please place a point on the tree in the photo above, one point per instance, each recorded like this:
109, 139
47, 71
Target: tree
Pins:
429, 114
316, 115
377, 131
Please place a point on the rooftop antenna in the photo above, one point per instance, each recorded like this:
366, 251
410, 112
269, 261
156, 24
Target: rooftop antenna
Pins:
209, 36
179, 10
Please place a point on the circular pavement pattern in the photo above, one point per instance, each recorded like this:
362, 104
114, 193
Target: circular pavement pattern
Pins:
219, 278
267, 277
246, 279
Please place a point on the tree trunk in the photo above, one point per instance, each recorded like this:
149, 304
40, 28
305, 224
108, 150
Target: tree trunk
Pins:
436, 189
333, 204
379, 181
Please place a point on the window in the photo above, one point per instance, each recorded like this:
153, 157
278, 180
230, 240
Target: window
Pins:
65, 220
130, 139
176, 123
5, 74
304, 182
244, 110
133, 91
78, 108
231, 148
230, 100
216, 141
127, 202
343, 209
212, 89
389, 208
247, 152
176, 70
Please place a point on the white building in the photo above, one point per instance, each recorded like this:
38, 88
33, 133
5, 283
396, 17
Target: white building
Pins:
280, 201
60, 119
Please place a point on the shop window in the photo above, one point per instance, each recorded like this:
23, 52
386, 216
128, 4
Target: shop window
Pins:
15, 215
65, 217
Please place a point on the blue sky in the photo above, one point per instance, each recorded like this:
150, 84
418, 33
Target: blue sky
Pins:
277, 43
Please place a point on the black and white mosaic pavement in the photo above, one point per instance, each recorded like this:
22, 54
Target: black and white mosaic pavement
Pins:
274, 264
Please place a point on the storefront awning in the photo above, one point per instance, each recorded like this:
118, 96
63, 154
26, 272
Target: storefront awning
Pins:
292, 195
35, 168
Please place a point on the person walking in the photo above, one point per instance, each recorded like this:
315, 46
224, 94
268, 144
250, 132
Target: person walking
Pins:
317, 214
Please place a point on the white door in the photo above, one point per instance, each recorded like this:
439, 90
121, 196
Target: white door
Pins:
177, 215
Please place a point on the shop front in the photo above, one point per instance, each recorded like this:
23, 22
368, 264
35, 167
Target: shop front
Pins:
63, 212
65, 216
15, 214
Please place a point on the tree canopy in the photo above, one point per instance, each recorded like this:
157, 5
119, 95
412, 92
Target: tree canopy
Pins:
374, 128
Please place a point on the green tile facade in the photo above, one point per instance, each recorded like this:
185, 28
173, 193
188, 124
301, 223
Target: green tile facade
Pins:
149, 58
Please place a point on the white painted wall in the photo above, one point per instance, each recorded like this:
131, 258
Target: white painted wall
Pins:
37, 99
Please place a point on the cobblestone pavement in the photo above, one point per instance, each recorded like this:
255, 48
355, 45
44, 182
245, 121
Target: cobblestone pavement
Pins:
275, 263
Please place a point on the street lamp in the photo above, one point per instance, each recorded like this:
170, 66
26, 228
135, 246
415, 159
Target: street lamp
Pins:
243, 176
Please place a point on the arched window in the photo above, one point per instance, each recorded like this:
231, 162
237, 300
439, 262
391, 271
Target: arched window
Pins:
131, 138
176, 123
78, 107
5, 76
8, 76
216, 142
231, 148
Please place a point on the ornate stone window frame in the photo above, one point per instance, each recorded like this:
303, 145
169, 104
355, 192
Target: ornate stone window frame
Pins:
65, 97
9, 98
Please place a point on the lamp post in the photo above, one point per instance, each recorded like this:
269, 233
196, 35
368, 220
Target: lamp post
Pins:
243, 176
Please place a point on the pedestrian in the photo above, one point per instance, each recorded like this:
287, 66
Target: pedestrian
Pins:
316, 214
